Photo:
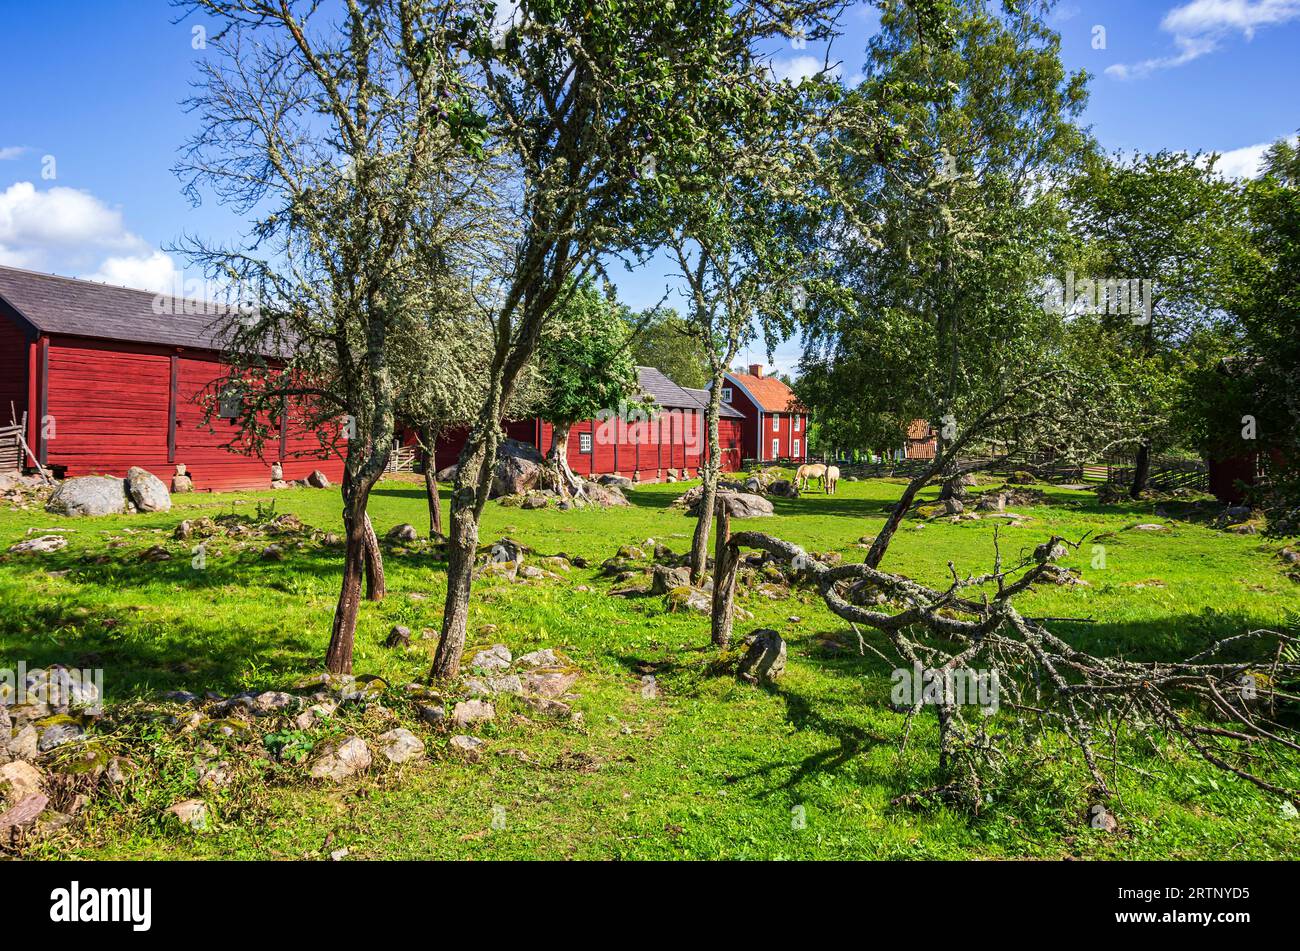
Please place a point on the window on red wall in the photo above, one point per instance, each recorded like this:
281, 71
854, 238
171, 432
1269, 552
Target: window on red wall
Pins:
776, 449
776, 423
797, 421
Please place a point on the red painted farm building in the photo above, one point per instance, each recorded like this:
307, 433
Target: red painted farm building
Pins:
775, 425
107, 382
644, 449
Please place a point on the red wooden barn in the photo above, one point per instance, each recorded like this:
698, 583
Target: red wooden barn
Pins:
109, 382
775, 425
643, 449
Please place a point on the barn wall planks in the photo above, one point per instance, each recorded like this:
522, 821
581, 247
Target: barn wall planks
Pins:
110, 405
13, 371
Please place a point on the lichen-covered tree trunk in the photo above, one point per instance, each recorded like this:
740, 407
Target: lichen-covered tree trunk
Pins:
338, 659
468, 497
565, 479
1141, 470
430, 439
710, 471
376, 585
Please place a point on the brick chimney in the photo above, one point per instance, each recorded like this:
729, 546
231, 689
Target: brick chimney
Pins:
756, 369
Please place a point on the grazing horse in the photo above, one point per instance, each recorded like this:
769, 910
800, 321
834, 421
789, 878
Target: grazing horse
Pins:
808, 472
832, 479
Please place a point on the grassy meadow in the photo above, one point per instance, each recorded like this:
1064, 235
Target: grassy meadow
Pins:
710, 767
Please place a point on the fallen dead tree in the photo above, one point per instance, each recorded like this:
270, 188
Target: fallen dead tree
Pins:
1222, 703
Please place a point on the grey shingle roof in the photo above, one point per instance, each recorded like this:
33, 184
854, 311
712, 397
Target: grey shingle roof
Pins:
725, 411
65, 305
665, 392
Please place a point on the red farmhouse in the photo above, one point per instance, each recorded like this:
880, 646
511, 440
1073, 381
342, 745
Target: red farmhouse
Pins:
775, 425
107, 382
643, 448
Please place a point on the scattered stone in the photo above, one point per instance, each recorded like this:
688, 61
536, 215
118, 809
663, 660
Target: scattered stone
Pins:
25, 744
273, 701
1050, 552
469, 712
192, 527
953, 506
338, 760
400, 746
432, 715
469, 746
1099, 817
155, 553
664, 579
617, 481
24, 811
649, 687
19, 780
338, 855
147, 491
991, 502
41, 545
518, 468
403, 533
56, 731
1149, 527
277, 472
549, 708
191, 813
318, 480
765, 656
496, 657
548, 683
689, 598
541, 658
399, 636
88, 495
272, 553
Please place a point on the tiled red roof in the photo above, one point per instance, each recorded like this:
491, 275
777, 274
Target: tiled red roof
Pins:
919, 429
769, 392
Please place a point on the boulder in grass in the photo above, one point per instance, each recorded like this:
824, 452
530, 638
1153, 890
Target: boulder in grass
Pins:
403, 533
469, 712
147, 491
88, 495
338, 760
191, 813
318, 480
400, 746
764, 659
41, 545
496, 657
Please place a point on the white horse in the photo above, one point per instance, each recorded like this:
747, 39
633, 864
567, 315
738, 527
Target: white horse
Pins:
832, 479
808, 472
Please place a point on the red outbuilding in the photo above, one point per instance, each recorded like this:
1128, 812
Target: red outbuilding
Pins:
775, 425
111, 378
641, 446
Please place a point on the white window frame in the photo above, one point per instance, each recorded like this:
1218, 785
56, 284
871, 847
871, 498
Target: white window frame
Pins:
726, 394
776, 423
797, 421
584, 442
776, 449
794, 449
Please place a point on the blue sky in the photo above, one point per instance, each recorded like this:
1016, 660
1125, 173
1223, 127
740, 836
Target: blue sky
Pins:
93, 92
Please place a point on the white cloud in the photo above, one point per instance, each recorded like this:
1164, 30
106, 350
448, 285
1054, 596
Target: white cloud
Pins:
1243, 162
1244, 16
799, 68
72, 232
151, 272
1200, 26
10, 152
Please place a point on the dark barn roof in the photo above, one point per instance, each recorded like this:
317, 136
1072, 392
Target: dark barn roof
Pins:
665, 392
65, 305
725, 411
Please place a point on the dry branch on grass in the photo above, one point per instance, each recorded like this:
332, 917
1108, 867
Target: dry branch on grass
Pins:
1224, 710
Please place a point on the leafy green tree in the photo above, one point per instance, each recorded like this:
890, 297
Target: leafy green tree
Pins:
944, 239
661, 339
1170, 221
585, 100
335, 128
588, 370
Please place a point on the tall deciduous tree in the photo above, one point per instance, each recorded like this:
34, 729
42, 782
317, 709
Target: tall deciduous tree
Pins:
585, 99
333, 127
1168, 220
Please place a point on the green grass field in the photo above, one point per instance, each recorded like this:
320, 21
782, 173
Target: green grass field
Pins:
711, 768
